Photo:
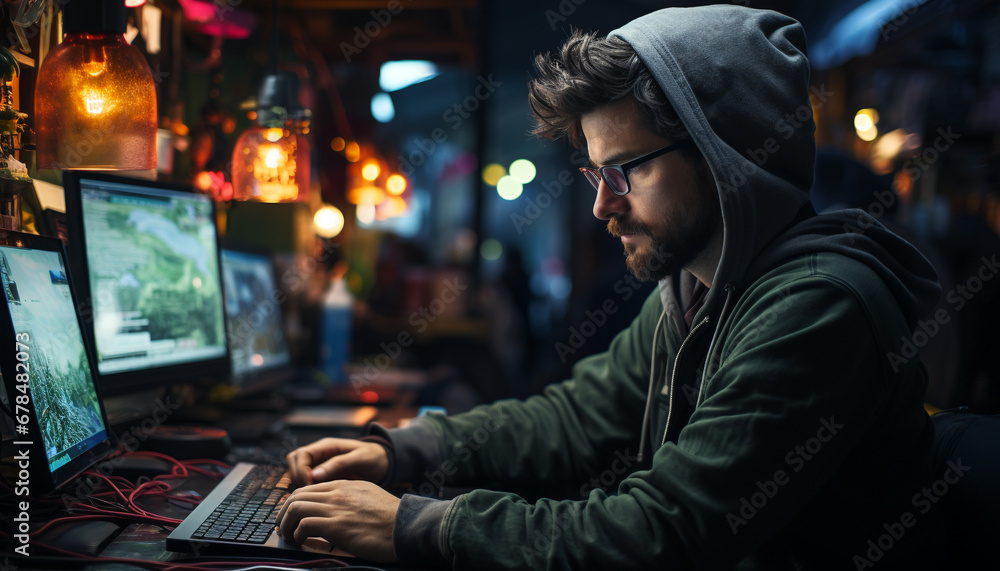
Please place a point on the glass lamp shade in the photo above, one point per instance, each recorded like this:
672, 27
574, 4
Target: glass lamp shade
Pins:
95, 106
271, 164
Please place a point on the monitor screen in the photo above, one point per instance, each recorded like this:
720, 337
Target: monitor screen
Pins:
51, 355
254, 320
148, 258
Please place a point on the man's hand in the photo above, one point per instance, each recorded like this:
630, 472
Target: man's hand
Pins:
338, 459
355, 516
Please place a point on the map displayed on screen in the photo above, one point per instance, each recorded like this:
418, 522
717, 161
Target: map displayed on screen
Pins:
153, 268
59, 375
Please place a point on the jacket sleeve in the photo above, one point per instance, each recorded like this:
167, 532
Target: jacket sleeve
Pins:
549, 441
779, 385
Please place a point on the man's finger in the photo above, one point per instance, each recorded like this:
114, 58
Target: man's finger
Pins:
329, 470
315, 492
314, 526
300, 464
293, 513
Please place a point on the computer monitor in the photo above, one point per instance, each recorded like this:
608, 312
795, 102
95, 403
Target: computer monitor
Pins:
147, 258
50, 384
255, 327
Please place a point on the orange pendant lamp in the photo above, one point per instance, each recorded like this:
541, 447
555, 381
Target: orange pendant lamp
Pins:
271, 159
95, 100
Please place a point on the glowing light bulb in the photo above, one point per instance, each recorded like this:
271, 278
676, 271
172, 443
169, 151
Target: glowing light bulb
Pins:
395, 184
270, 171
328, 222
522, 170
865, 124
492, 173
94, 103
509, 188
370, 171
352, 151
273, 157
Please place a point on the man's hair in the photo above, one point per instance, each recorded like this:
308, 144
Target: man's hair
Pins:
588, 74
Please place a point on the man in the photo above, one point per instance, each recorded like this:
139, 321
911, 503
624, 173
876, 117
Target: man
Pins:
773, 428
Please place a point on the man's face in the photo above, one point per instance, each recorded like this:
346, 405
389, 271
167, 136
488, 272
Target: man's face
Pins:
672, 210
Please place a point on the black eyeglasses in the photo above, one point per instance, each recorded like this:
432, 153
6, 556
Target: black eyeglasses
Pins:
616, 176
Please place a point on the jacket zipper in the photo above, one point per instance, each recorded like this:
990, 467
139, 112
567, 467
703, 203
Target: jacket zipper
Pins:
673, 375
730, 288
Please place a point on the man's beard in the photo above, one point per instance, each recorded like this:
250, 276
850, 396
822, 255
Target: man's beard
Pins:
688, 232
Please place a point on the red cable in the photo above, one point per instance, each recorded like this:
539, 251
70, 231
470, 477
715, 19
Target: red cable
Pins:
145, 486
177, 463
129, 499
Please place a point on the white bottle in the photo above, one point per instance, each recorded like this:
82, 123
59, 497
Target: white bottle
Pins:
335, 330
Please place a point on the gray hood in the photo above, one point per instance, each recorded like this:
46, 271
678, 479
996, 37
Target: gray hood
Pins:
744, 97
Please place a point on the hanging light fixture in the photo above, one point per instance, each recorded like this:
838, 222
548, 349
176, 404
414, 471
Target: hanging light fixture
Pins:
95, 100
271, 159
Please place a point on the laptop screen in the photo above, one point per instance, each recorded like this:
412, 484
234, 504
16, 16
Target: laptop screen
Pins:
254, 319
154, 279
51, 348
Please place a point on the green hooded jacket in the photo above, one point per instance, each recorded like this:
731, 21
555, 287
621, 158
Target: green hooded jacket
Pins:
783, 428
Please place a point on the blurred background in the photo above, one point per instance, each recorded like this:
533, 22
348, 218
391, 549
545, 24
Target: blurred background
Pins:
469, 246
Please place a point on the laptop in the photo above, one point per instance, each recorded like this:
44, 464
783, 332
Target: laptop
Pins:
60, 424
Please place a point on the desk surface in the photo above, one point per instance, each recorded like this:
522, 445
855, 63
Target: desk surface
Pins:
146, 541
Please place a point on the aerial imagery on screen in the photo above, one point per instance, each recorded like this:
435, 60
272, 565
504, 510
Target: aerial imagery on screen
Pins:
154, 278
50, 344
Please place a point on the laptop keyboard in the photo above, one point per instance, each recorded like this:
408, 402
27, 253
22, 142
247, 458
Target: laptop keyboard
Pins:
247, 514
